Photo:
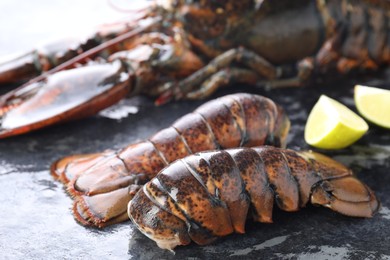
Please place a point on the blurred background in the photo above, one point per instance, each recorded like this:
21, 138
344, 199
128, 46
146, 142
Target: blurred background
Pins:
25, 24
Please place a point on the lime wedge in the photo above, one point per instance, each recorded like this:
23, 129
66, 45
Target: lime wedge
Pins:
373, 104
331, 125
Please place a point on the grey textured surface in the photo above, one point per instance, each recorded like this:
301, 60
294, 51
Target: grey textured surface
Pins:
36, 221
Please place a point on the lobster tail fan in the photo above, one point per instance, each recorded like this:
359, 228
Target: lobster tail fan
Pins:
348, 196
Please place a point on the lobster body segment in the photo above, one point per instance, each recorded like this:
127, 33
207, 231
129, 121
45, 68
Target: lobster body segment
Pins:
269, 33
99, 181
209, 194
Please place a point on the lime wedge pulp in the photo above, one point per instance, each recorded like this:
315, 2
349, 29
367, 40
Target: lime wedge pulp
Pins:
331, 125
373, 104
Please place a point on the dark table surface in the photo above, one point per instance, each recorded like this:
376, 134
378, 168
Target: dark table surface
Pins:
36, 220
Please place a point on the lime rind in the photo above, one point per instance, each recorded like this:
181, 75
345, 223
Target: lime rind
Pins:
364, 90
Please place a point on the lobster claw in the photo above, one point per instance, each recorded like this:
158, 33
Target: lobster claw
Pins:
63, 96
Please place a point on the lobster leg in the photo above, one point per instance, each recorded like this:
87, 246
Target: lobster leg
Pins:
222, 78
329, 56
223, 61
219, 72
228, 76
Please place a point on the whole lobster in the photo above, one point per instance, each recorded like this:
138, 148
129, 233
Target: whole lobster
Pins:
102, 184
188, 49
208, 195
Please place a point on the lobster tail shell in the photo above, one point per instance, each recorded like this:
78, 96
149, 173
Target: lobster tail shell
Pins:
230, 121
214, 190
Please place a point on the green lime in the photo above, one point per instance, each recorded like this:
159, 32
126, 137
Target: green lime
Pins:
373, 104
331, 125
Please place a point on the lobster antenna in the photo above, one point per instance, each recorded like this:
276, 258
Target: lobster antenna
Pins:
68, 64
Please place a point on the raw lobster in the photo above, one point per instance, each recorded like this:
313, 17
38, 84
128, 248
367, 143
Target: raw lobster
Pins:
187, 49
102, 184
208, 195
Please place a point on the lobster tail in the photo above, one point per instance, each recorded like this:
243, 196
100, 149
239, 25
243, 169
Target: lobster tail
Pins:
231, 121
213, 191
